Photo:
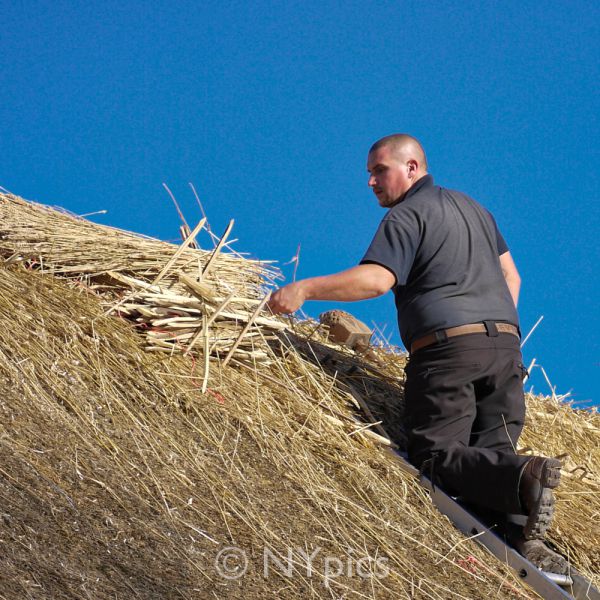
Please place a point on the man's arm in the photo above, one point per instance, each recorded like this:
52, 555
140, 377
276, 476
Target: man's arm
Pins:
358, 283
511, 275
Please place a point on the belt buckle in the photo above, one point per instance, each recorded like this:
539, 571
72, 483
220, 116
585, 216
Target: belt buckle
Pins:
440, 336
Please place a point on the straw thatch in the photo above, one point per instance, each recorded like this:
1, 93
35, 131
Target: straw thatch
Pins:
121, 478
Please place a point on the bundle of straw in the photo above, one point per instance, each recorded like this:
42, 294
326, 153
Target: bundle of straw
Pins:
190, 316
175, 295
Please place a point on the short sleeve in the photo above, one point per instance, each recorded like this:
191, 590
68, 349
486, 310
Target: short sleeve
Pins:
394, 247
500, 241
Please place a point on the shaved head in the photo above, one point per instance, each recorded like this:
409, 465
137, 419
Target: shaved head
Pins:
403, 146
395, 163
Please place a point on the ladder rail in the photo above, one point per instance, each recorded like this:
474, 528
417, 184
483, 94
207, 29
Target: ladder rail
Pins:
542, 583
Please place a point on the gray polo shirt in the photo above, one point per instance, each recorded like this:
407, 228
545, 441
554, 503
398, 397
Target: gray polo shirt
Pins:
443, 249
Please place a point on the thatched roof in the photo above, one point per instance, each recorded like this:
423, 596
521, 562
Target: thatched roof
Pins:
125, 472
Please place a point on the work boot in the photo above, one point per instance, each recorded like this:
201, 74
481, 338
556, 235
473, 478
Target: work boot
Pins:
538, 477
544, 558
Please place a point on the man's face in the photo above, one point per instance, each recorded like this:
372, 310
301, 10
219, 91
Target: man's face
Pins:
388, 176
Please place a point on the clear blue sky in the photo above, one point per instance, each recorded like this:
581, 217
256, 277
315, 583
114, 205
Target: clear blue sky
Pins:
270, 107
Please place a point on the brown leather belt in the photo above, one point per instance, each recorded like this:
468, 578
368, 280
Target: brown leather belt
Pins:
432, 338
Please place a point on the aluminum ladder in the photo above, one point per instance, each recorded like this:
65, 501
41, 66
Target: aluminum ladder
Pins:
548, 585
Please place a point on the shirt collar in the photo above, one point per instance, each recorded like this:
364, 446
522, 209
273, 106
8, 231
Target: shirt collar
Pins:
425, 181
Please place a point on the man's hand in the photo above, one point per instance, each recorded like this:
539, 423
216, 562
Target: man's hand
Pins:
287, 299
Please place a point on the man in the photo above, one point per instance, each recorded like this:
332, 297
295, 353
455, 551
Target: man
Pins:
456, 289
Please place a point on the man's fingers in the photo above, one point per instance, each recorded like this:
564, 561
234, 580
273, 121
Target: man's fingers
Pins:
287, 299
281, 309
275, 303
278, 304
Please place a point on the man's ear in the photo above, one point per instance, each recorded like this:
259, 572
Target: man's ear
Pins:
413, 167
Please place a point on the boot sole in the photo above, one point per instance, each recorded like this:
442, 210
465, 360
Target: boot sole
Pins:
540, 516
551, 473
543, 557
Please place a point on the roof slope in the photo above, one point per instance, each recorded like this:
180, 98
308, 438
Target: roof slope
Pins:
121, 478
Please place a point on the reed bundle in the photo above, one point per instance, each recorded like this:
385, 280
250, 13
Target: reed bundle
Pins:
182, 299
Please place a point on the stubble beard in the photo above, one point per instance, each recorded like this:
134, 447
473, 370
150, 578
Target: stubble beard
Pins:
386, 202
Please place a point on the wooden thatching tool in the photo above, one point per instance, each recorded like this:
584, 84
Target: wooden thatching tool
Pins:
346, 329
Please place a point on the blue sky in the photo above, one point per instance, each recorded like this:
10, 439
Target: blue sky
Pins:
269, 109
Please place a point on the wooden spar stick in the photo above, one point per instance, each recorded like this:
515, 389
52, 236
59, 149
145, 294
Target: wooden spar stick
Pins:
265, 321
206, 355
532, 330
176, 321
184, 231
375, 437
200, 290
179, 251
529, 368
248, 325
202, 210
177, 254
131, 281
365, 407
203, 293
207, 323
176, 206
172, 299
217, 249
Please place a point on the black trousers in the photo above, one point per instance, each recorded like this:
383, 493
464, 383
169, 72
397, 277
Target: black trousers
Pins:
464, 411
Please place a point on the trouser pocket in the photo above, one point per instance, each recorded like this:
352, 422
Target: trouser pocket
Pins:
523, 369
